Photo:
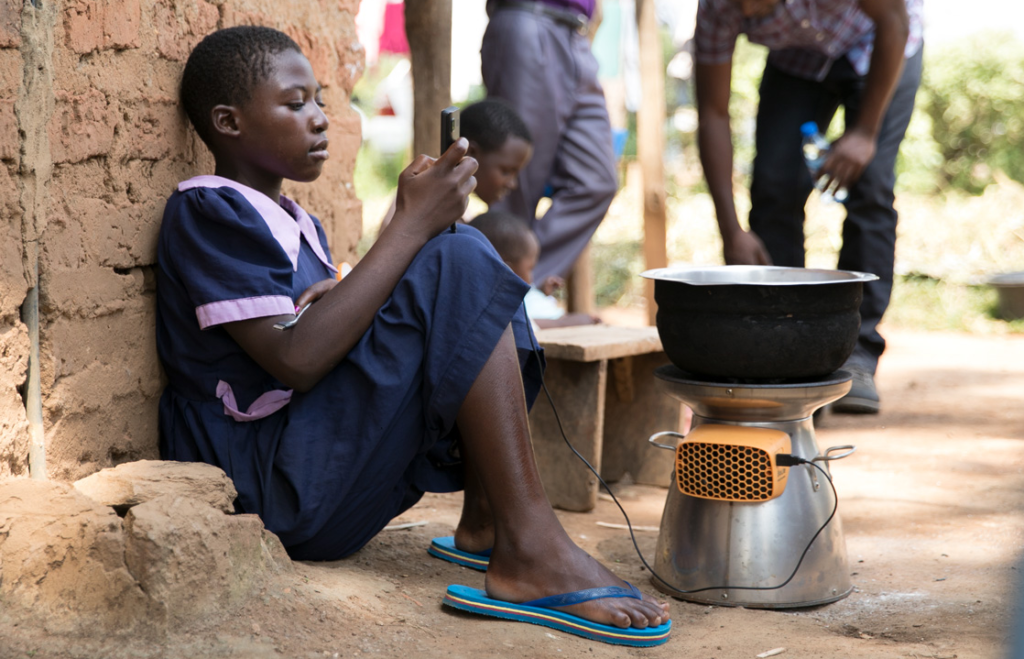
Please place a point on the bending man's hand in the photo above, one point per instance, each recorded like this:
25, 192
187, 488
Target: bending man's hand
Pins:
745, 248
846, 160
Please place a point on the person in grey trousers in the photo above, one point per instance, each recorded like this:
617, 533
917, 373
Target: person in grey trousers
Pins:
536, 55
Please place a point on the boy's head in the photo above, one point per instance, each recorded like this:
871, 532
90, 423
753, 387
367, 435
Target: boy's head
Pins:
515, 242
253, 99
500, 142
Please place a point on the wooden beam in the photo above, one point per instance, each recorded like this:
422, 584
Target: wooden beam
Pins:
428, 27
650, 122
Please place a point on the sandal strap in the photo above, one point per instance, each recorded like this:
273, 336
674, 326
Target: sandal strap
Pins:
586, 595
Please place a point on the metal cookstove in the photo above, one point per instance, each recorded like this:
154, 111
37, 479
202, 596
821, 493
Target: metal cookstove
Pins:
723, 542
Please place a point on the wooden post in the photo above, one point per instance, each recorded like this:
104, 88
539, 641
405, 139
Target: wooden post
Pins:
428, 27
579, 286
650, 144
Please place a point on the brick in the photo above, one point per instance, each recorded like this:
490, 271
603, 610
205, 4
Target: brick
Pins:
121, 20
151, 129
92, 25
8, 131
10, 23
82, 126
180, 26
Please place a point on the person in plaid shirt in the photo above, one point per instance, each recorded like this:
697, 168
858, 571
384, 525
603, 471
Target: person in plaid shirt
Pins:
862, 54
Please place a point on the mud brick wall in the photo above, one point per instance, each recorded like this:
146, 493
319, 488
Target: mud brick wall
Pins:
91, 144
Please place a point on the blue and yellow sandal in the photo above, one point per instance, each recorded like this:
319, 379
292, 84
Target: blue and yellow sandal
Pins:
540, 612
445, 549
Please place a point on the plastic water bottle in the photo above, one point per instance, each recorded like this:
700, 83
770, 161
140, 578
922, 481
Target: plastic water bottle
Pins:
816, 148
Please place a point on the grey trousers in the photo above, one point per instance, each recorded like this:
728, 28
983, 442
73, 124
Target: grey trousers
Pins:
547, 72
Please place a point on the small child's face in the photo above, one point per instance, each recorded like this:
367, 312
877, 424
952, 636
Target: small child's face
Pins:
282, 128
498, 170
524, 266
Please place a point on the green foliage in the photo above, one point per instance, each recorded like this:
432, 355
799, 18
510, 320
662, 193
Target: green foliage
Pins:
376, 173
973, 93
924, 303
616, 269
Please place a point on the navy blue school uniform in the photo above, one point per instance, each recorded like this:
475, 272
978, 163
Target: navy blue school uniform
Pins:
326, 469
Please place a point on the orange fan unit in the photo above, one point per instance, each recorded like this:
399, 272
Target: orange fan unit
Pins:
732, 463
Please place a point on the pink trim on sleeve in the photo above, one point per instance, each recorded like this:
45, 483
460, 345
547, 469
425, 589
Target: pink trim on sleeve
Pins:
228, 311
263, 406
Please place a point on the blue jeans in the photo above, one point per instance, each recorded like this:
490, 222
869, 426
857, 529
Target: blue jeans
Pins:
781, 182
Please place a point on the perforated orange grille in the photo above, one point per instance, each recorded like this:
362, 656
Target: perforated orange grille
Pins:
723, 471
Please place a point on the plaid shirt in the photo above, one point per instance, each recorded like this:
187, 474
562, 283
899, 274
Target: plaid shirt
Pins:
804, 37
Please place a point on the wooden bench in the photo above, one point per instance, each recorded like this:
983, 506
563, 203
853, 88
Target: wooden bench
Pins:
601, 379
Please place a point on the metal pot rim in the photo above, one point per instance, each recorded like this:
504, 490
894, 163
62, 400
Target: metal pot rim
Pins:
755, 275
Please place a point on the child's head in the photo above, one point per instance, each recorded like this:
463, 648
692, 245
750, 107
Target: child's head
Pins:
253, 99
500, 142
515, 242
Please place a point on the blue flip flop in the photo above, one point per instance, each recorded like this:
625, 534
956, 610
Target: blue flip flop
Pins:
445, 549
539, 612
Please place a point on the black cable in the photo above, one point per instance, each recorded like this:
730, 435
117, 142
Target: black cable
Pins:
792, 459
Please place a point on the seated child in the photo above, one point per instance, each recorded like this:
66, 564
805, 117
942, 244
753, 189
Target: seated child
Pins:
410, 375
499, 141
518, 247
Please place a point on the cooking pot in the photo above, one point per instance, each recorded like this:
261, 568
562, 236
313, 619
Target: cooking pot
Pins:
758, 323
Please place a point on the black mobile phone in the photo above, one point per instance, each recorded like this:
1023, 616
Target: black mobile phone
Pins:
449, 132
449, 127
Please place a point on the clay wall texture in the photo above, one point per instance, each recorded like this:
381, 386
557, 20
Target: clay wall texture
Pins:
91, 144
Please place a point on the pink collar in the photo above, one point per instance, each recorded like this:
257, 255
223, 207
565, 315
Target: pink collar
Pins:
287, 221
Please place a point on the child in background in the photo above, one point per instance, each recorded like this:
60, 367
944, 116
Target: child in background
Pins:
499, 141
518, 247
410, 375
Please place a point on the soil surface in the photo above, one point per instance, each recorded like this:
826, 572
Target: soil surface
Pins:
931, 505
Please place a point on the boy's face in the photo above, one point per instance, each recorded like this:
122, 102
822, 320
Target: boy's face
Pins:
524, 266
498, 170
282, 128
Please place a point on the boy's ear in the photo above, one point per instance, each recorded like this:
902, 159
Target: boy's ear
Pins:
225, 120
474, 149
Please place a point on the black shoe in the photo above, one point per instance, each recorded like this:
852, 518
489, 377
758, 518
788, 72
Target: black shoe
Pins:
863, 397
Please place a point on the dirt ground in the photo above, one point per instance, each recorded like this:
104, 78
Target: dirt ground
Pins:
931, 504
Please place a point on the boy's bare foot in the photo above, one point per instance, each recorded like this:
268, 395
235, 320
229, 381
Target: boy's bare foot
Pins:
554, 565
475, 541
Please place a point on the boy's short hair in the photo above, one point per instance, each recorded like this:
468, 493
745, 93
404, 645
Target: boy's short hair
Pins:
491, 122
224, 69
509, 233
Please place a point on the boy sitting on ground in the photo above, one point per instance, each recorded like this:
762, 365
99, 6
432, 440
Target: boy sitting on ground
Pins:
518, 247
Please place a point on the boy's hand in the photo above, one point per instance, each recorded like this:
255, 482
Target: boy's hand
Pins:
434, 193
315, 292
551, 284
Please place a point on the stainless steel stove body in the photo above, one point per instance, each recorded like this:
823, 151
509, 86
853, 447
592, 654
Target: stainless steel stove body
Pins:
708, 543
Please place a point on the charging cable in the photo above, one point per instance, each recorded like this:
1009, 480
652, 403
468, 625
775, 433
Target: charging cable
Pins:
783, 460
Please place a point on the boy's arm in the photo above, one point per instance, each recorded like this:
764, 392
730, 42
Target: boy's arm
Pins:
431, 193
714, 137
852, 152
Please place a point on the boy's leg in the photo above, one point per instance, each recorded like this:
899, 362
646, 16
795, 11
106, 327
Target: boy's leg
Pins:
781, 182
869, 232
584, 179
549, 75
526, 61
532, 557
